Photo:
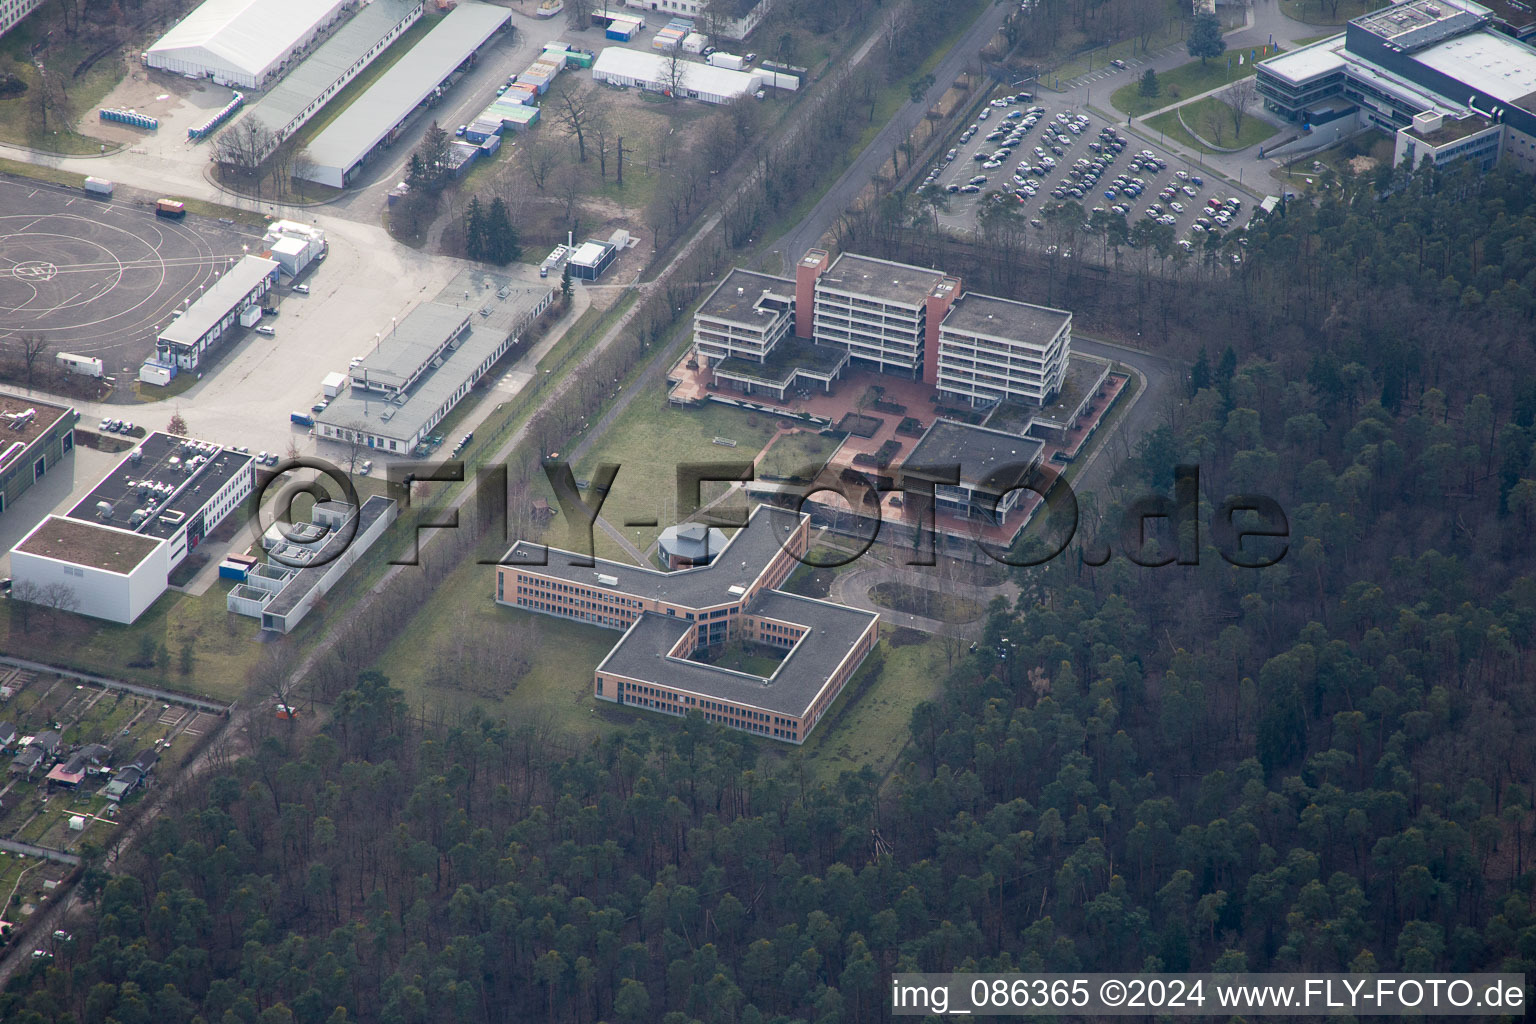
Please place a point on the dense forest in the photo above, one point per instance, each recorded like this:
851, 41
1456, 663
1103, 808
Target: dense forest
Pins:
1314, 765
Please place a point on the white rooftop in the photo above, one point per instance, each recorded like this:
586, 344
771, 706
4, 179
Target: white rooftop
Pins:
652, 68
252, 36
217, 301
1309, 62
1488, 61
587, 254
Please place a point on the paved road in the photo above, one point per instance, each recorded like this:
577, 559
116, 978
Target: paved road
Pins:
824, 214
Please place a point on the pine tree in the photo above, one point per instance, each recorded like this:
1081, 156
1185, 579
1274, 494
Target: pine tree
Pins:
501, 244
1200, 374
1150, 86
474, 230
565, 282
1205, 38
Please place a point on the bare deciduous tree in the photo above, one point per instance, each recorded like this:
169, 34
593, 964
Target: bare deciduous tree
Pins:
574, 117
539, 158
240, 149
33, 348
1240, 98
579, 12
1215, 122
674, 72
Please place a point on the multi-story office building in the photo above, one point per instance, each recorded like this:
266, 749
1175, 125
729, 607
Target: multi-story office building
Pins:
744, 318
883, 313
673, 622
995, 349
12, 11
1448, 63
757, 332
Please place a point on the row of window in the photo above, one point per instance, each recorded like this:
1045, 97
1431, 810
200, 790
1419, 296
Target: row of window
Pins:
712, 710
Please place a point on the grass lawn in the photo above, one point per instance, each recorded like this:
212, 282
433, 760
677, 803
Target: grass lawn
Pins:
649, 441
1198, 116
17, 123
1096, 59
1327, 12
793, 455
40, 173
868, 723
1184, 81
223, 649
558, 684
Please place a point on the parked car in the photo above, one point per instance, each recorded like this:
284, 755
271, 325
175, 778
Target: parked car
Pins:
266, 329
1117, 63
367, 467
463, 128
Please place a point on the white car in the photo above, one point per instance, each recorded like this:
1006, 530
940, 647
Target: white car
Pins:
264, 329
1176, 207
984, 115
302, 289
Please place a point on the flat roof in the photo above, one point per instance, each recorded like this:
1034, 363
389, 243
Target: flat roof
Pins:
247, 35
987, 458
404, 414
1488, 61
374, 114
1308, 62
311, 77
408, 347
101, 547
306, 579
725, 304
740, 564
217, 302
831, 632
882, 279
160, 469
1415, 23
12, 408
1451, 129
1005, 318
1515, 14
652, 69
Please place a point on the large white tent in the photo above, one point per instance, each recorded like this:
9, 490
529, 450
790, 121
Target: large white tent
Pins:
242, 43
622, 66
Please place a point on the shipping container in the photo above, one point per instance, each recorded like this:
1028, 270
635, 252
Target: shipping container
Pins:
98, 186
249, 316
170, 208
731, 61
694, 42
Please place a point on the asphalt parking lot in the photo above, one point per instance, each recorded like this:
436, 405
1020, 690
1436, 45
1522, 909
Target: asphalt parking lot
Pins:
100, 278
1003, 157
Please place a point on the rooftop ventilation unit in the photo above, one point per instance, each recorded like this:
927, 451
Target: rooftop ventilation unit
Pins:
606, 580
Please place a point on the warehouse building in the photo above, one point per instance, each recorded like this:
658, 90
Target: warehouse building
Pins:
418, 372
675, 624
208, 320
1439, 75
416, 80
34, 438
113, 552
619, 65
243, 43
320, 76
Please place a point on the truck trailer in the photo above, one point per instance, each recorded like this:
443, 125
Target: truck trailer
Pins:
171, 208
98, 187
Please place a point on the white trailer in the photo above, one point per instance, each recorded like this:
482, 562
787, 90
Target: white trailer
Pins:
81, 364
98, 187
729, 61
694, 42
249, 316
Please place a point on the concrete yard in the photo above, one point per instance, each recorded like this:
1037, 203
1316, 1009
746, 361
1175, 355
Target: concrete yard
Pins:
100, 278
